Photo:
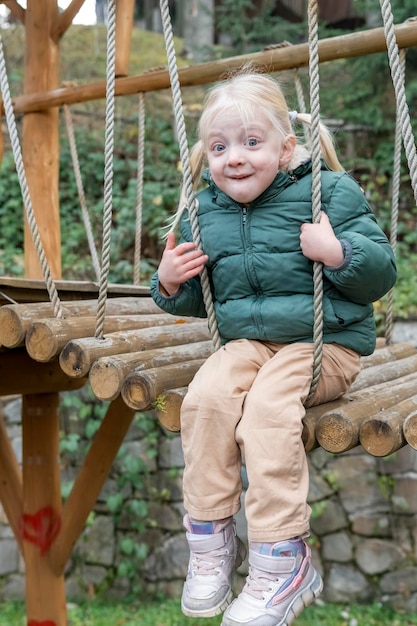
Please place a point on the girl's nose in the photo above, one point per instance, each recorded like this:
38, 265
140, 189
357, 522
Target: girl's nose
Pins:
236, 155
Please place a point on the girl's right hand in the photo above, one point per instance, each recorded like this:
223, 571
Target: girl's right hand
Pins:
179, 264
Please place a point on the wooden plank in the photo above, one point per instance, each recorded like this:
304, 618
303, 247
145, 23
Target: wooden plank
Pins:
90, 481
19, 374
355, 44
20, 290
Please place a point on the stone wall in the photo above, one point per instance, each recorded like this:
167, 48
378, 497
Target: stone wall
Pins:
364, 525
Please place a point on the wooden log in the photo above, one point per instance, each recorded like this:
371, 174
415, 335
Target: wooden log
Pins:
168, 409
385, 372
338, 427
140, 390
410, 429
108, 374
308, 435
78, 356
382, 434
355, 44
385, 354
15, 319
46, 338
21, 375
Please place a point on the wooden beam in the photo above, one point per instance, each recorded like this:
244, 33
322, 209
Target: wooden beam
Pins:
124, 23
64, 20
11, 493
90, 481
272, 60
21, 375
15, 9
40, 141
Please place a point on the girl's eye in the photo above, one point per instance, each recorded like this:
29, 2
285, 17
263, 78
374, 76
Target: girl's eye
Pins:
219, 147
252, 141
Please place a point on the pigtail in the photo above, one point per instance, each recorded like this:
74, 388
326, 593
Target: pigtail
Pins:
328, 149
197, 158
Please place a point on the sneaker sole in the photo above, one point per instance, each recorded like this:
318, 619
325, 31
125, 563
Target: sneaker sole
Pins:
212, 611
306, 598
222, 606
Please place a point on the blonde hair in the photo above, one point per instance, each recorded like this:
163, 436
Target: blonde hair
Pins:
247, 93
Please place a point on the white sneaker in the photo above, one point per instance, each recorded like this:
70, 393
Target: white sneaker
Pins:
215, 553
280, 584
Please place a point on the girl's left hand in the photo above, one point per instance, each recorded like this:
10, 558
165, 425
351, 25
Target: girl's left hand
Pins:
319, 243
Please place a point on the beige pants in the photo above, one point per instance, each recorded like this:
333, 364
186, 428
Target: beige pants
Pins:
247, 400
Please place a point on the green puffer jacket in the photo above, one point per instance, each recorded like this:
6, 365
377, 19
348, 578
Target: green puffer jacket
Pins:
262, 284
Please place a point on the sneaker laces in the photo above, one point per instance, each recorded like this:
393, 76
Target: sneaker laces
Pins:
208, 563
258, 582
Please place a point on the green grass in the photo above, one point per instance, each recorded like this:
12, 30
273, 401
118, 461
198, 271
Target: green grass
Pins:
168, 613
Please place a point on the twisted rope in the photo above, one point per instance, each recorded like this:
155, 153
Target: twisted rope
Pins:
108, 167
396, 180
30, 214
301, 102
397, 74
80, 188
139, 195
316, 187
185, 160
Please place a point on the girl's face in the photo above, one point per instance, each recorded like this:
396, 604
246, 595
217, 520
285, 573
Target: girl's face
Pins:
244, 157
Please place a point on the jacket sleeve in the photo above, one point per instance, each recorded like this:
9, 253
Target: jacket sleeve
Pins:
189, 298
370, 271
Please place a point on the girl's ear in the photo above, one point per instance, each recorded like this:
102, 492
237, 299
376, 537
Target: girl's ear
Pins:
287, 151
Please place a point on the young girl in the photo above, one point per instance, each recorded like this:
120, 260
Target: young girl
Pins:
248, 400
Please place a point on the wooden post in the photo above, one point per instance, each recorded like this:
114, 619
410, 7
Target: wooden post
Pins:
124, 23
40, 144
10, 483
41, 520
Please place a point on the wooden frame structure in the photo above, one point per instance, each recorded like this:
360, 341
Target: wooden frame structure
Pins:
45, 530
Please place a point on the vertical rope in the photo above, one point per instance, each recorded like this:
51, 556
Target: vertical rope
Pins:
108, 167
80, 188
139, 193
301, 102
316, 186
396, 181
397, 75
185, 161
30, 214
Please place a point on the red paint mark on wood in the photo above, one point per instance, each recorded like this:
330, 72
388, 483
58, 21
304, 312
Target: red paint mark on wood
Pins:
47, 622
41, 529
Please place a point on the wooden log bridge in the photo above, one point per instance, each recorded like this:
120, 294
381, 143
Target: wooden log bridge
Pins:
145, 360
